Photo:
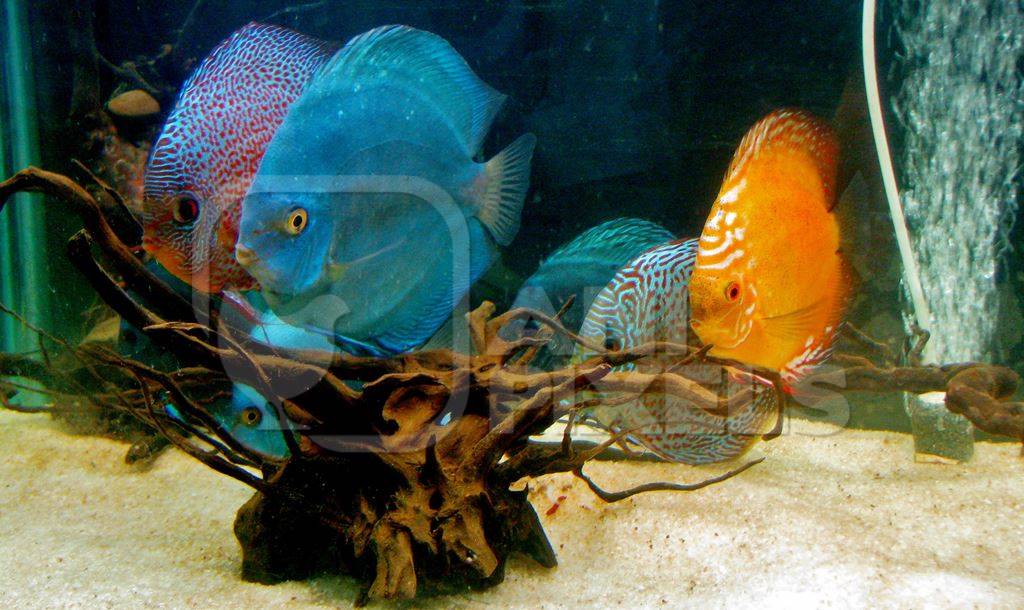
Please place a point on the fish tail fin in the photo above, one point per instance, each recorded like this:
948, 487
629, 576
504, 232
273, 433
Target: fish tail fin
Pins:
507, 178
855, 227
173, 412
853, 131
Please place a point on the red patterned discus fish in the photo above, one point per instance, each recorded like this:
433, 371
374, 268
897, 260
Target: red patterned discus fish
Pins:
648, 301
204, 160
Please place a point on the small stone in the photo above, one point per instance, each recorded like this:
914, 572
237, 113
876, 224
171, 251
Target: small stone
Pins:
133, 104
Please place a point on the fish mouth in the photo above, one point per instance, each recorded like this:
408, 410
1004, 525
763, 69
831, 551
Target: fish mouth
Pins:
270, 283
721, 333
287, 302
245, 256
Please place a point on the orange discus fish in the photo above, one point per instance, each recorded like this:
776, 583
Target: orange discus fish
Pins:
770, 282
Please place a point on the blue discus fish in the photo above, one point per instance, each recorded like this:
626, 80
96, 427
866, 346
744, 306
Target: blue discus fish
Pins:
580, 269
648, 301
369, 217
248, 418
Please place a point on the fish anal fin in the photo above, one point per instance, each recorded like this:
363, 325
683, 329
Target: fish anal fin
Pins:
347, 344
507, 178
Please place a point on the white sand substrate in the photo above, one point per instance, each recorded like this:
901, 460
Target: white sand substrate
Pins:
833, 518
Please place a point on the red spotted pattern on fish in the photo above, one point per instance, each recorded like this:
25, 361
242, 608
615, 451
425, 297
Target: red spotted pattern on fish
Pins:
210, 148
648, 301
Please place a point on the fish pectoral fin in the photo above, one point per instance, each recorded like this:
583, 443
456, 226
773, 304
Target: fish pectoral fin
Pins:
241, 304
507, 178
796, 324
335, 271
422, 320
443, 338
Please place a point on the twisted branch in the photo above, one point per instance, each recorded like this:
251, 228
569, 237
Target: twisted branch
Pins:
452, 478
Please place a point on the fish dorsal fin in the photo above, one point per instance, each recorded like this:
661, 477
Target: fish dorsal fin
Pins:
245, 86
426, 64
796, 130
618, 241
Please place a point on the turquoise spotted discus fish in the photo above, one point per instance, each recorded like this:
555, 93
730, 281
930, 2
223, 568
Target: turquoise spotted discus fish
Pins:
648, 301
206, 156
370, 216
580, 269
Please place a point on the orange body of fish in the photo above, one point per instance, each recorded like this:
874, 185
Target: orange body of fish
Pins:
770, 282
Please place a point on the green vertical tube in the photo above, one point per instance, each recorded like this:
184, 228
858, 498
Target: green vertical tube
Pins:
24, 285
7, 324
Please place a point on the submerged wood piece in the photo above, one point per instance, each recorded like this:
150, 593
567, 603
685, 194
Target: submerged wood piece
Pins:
408, 482
82, 204
979, 394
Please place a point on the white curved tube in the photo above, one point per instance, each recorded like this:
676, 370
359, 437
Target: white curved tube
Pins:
922, 313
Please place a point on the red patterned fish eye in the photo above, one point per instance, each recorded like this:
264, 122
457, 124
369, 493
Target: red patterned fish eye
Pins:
185, 211
732, 291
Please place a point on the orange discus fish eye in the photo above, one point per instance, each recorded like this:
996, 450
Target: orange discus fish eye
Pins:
297, 220
185, 211
732, 291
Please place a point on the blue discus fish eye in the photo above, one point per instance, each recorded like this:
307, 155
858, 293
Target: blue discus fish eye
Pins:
251, 416
298, 218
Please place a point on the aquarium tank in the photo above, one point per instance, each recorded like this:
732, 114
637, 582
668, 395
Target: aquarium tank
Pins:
516, 303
